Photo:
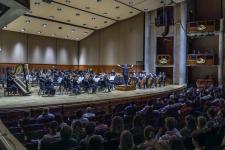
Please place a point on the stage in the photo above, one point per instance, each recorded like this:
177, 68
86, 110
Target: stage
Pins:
34, 100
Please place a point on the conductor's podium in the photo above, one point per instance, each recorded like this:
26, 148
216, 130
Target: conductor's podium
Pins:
125, 87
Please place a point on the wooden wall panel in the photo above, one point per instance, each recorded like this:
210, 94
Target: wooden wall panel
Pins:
14, 47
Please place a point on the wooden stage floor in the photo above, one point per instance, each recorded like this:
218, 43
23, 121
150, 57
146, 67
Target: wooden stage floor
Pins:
35, 100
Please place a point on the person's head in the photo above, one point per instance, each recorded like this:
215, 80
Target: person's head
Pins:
88, 110
26, 114
126, 141
90, 128
210, 113
149, 132
58, 118
201, 122
53, 127
95, 143
45, 111
79, 114
190, 122
66, 132
198, 139
117, 124
77, 125
176, 143
170, 123
137, 122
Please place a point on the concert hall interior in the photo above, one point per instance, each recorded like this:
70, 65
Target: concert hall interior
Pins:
112, 75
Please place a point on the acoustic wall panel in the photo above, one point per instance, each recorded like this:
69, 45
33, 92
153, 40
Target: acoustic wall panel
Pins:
13, 47
67, 52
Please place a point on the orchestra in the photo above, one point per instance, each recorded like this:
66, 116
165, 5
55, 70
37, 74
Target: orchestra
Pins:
54, 81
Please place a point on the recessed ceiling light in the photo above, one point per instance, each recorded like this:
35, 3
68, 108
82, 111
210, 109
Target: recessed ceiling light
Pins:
105, 13
105, 21
37, 3
23, 29
68, 20
4, 27
87, 7
145, 9
84, 24
53, 34
77, 14
131, 12
85, 32
51, 17
67, 1
44, 25
27, 21
93, 18
59, 9
39, 32
117, 7
73, 30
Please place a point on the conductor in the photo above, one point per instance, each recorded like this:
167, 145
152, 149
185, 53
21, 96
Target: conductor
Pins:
125, 71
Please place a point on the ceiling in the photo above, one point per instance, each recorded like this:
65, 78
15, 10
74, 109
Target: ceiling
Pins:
77, 19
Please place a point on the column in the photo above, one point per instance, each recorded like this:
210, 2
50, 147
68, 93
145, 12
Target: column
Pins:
153, 42
221, 53
180, 43
147, 42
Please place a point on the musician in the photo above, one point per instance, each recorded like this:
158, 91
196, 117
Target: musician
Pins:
75, 85
107, 82
113, 73
164, 78
49, 86
125, 71
92, 84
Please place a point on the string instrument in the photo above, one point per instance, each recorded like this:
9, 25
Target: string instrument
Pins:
150, 82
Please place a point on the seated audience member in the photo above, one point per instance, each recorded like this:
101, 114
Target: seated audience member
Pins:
190, 126
212, 119
90, 130
51, 137
126, 141
117, 126
199, 140
95, 143
89, 113
46, 115
25, 120
138, 129
201, 123
59, 120
149, 135
66, 142
170, 124
176, 143
101, 127
79, 117
78, 131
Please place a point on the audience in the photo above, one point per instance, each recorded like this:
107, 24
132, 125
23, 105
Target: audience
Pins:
187, 120
117, 126
66, 142
95, 143
45, 116
51, 137
126, 141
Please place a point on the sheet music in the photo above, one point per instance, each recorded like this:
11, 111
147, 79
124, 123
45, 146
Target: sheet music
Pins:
80, 79
112, 78
59, 79
96, 79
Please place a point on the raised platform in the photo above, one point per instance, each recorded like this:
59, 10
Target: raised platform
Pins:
125, 88
85, 99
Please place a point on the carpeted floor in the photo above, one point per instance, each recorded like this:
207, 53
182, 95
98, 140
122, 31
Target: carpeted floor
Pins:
35, 100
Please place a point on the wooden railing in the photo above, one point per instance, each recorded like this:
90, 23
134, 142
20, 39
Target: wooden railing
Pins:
202, 26
8, 141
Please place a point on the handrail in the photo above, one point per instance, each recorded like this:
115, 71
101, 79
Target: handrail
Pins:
7, 140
